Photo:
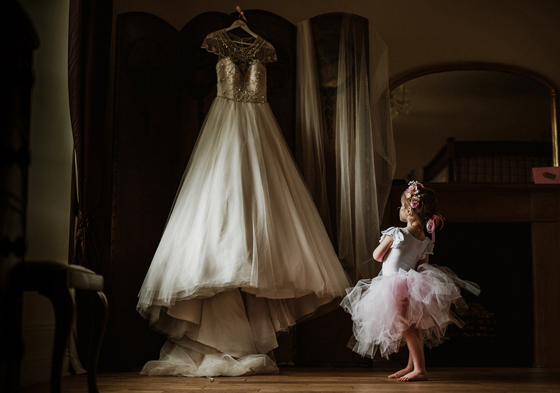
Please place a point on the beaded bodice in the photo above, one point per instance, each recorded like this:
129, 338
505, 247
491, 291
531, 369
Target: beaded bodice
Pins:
241, 67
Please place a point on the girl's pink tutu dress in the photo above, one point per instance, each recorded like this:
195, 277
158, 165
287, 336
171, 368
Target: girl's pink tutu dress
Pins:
403, 296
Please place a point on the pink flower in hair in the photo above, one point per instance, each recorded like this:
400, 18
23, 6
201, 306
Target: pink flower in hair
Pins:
433, 223
411, 193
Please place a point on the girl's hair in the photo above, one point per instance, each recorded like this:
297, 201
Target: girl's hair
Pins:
422, 200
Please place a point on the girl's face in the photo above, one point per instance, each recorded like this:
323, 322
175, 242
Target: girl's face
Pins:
403, 210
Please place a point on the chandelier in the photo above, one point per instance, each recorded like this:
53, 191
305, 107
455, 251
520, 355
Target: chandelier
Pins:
399, 101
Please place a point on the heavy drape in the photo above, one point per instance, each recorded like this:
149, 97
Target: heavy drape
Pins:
89, 39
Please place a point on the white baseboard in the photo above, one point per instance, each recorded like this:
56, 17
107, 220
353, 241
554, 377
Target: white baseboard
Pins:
38, 339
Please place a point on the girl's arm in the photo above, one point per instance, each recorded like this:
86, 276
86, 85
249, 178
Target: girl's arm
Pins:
424, 260
381, 251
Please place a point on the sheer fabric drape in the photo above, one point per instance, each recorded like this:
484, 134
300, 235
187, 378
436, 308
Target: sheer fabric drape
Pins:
309, 123
365, 155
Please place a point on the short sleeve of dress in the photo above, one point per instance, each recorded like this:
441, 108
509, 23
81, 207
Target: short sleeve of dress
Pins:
395, 233
429, 250
212, 44
268, 53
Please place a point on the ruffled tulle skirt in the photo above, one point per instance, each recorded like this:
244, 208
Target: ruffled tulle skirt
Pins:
187, 358
384, 307
244, 253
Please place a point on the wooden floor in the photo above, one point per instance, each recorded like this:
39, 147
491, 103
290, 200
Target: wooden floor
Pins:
293, 380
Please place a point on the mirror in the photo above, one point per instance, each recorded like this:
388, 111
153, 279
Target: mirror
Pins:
471, 120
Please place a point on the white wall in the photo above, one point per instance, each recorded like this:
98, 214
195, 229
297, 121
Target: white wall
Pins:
48, 210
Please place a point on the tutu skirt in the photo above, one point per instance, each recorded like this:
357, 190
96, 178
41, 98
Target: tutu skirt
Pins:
384, 307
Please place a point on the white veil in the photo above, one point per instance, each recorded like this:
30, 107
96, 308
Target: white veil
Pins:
365, 154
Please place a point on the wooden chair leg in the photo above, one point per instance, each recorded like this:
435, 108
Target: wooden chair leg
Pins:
64, 311
100, 309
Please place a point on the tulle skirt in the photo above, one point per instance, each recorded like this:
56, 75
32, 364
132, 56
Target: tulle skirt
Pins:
187, 358
384, 307
244, 253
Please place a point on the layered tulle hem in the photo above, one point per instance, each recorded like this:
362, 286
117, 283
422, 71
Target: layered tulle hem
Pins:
236, 309
384, 307
149, 297
232, 333
188, 359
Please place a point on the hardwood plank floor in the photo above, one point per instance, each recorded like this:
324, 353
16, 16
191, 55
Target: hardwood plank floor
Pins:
304, 380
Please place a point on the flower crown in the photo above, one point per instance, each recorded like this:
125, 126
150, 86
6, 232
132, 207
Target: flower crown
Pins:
413, 193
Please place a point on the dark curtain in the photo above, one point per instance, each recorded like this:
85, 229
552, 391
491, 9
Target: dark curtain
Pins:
18, 41
88, 78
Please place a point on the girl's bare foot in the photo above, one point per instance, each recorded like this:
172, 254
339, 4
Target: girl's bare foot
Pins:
402, 372
414, 376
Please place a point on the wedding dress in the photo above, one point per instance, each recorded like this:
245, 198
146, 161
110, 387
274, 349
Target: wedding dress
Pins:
244, 254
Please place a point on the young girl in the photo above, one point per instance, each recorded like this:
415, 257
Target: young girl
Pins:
410, 301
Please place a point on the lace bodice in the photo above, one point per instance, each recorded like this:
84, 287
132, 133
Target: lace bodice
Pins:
241, 68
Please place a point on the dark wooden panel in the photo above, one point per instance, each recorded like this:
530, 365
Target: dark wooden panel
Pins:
144, 162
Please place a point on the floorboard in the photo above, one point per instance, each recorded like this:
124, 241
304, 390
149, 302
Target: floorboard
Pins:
305, 380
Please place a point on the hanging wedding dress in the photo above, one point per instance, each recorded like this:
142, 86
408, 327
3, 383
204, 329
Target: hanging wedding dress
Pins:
244, 253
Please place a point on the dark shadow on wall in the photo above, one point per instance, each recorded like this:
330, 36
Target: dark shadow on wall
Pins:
499, 322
